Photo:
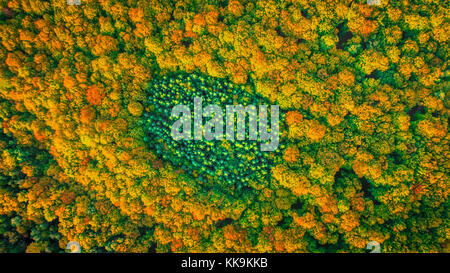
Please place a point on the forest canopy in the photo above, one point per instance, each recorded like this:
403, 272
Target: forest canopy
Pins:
85, 153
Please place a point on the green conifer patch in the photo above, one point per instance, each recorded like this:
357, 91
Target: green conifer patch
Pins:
238, 162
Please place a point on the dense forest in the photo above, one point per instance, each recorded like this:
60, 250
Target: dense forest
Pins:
86, 154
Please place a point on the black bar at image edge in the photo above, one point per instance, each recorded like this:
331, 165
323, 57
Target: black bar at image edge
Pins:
229, 262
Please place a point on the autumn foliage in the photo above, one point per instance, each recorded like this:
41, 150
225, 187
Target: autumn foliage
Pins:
365, 108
